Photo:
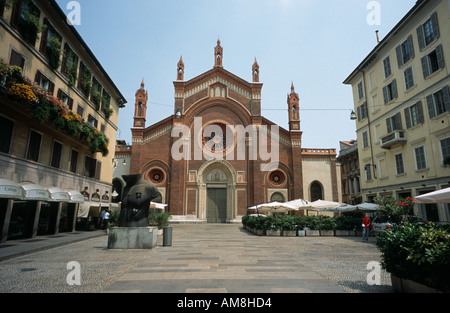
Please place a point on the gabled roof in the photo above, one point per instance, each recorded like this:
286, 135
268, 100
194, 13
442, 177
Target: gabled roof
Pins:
215, 72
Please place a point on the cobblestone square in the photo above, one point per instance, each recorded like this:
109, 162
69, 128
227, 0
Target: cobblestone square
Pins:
203, 258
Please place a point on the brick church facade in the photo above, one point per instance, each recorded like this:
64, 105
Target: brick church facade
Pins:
217, 155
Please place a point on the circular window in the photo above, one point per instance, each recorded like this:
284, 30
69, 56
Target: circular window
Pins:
277, 178
214, 139
156, 176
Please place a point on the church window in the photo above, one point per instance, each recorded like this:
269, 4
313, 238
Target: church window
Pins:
216, 141
277, 197
156, 176
316, 191
277, 178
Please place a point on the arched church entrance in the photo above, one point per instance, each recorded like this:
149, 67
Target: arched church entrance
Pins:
217, 187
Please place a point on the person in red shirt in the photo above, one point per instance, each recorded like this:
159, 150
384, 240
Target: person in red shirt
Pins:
366, 228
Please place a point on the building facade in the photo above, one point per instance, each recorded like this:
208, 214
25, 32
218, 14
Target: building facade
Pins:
217, 155
58, 119
401, 95
350, 173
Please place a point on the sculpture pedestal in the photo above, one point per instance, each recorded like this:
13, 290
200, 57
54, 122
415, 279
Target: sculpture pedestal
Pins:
132, 237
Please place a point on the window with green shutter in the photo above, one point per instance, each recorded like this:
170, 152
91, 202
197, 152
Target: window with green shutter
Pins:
428, 32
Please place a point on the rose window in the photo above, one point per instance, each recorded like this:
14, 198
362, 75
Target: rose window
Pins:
217, 141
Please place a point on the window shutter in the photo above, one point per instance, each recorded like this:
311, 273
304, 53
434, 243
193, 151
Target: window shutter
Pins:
426, 70
408, 118
446, 96
398, 121
440, 56
389, 125
98, 169
385, 95
59, 94
70, 103
365, 110
434, 22
44, 38
38, 77
409, 77
394, 89
420, 118
421, 37
64, 60
51, 88
431, 108
411, 46
398, 50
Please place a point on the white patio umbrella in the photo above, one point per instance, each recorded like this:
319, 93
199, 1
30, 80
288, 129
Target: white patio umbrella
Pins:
155, 205
438, 196
343, 208
363, 207
299, 203
322, 204
276, 207
366, 206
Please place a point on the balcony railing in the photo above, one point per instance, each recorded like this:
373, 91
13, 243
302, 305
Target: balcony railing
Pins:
396, 138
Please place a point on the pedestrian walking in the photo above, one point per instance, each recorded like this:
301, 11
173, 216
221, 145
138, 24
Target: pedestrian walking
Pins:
106, 219
366, 228
102, 215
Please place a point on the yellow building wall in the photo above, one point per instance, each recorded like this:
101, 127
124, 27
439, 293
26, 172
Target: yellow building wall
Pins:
34, 61
428, 133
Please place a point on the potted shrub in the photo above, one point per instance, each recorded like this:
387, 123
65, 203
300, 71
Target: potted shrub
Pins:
300, 225
288, 226
312, 226
271, 226
327, 226
345, 225
159, 220
417, 257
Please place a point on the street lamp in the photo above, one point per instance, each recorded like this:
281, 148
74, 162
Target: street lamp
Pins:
353, 115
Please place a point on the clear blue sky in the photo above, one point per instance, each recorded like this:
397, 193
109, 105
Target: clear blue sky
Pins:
314, 43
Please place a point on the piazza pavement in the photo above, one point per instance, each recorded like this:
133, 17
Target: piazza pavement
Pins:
203, 258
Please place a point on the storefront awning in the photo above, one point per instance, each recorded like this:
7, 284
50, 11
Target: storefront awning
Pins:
75, 196
58, 195
10, 190
87, 206
35, 192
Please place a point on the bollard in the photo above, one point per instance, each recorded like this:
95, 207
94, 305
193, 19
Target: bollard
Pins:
167, 236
